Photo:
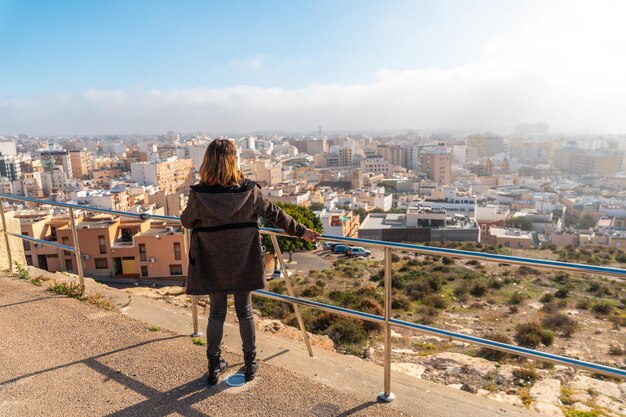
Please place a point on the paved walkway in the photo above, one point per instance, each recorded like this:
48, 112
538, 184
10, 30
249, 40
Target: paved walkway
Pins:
61, 357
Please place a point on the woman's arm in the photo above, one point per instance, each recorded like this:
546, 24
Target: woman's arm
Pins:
188, 218
268, 210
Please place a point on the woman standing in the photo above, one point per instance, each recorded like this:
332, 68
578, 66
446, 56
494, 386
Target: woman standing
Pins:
225, 250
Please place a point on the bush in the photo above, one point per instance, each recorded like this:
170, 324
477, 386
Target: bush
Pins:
547, 298
313, 291
562, 293
602, 308
527, 376
422, 287
532, 335
447, 261
550, 308
401, 302
478, 289
436, 301
516, 298
345, 331
583, 304
69, 290
561, 323
491, 354
495, 284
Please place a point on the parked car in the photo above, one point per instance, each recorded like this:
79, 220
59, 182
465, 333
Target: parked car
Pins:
355, 251
278, 274
340, 248
329, 245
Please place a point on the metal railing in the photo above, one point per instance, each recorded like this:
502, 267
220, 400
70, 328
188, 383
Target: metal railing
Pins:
386, 320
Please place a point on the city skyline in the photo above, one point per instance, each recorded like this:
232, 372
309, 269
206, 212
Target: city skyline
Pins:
237, 68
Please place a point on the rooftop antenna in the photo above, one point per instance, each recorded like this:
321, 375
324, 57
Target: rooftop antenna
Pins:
319, 131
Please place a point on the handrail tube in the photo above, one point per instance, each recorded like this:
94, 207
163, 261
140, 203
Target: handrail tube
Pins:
426, 250
504, 347
43, 242
518, 350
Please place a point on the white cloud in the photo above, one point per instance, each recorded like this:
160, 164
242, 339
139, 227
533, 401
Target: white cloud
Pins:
564, 66
250, 64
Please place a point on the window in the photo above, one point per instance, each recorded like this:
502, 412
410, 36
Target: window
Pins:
142, 252
68, 265
26, 242
177, 251
176, 269
144, 270
101, 263
102, 244
29, 259
66, 242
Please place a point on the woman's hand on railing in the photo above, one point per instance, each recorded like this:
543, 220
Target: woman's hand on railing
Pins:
310, 235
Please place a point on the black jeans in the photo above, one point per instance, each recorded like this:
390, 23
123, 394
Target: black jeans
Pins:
217, 315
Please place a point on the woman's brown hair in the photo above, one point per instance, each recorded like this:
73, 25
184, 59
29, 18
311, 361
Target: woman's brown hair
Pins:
219, 166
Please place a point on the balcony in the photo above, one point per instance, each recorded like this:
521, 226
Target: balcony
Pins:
414, 396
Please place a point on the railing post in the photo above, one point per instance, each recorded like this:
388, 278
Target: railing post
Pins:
289, 286
387, 395
194, 300
6, 235
77, 253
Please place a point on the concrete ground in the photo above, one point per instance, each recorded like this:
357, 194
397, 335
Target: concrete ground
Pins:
59, 357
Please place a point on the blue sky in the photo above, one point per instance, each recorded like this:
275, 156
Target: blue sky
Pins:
63, 46
74, 67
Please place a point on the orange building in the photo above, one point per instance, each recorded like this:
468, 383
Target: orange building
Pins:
111, 247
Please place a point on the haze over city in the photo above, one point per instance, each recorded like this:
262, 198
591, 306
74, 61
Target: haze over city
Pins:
148, 67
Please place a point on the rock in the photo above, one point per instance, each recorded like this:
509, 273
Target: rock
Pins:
455, 386
536, 305
468, 388
412, 369
545, 395
395, 334
547, 390
546, 409
613, 404
581, 407
457, 363
506, 398
582, 383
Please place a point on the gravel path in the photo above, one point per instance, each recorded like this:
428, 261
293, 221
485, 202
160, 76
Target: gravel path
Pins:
63, 357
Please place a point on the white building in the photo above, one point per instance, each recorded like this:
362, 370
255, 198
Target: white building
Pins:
448, 199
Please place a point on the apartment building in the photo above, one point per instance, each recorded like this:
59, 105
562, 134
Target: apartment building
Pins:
484, 146
81, 164
111, 247
170, 175
436, 163
342, 223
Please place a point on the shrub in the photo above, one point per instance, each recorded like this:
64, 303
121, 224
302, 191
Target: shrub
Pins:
447, 261
69, 290
271, 308
313, 291
561, 323
401, 302
492, 354
345, 331
531, 335
516, 298
198, 341
562, 293
547, 298
395, 258
478, 289
583, 304
616, 350
473, 262
602, 307
495, 284
527, 376
422, 287
436, 301
550, 308
154, 328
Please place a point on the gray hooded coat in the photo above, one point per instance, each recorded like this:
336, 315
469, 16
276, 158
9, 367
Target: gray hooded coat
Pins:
225, 250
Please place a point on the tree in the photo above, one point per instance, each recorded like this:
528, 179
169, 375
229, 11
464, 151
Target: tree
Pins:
520, 223
586, 222
316, 206
289, 244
